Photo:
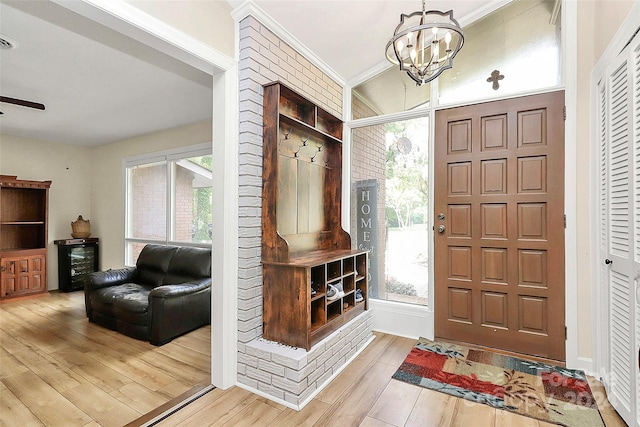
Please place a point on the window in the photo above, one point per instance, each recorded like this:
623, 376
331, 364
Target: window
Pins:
390, 178
168, 200
521, 41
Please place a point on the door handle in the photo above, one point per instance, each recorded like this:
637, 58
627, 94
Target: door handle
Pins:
441, 228
608, 261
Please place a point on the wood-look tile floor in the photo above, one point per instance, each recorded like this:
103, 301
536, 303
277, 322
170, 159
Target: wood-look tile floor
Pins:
362, 395
57, 369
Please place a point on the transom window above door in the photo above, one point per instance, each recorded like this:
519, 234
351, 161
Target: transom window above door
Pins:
513, 50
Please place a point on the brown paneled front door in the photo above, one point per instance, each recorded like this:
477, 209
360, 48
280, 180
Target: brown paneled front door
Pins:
499, 225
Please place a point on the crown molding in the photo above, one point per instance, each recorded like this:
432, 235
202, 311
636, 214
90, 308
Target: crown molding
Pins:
250, 8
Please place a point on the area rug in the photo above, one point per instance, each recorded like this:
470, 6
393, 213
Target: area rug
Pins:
545, 392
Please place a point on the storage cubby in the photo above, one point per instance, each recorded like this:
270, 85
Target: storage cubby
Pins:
23, 236
304, 248
318, 283
348, 283
334, 270
361, 266
347, 265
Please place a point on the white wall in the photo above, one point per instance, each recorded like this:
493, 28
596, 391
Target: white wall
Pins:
69, 169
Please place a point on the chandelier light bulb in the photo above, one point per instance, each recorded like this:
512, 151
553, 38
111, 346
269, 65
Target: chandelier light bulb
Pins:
400, 45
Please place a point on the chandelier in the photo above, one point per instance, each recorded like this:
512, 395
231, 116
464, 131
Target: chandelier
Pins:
425, 43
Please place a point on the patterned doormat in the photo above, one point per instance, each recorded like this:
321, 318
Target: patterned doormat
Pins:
537, 390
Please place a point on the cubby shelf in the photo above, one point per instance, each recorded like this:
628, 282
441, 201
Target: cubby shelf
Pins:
304, 247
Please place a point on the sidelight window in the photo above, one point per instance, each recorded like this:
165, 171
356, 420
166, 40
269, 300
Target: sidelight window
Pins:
390, 207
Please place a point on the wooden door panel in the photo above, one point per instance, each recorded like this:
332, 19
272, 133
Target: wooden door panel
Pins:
495, 309
494, 265
532, 128
460, 263
532, 174
459, 179
533, 314
494, 132
532, 268
499, 262
460, 220
532, 221
459, 309
37, 264
494, 176
459, 137
493, 217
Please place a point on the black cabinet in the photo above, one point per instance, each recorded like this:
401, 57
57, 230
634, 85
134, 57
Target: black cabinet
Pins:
76, 258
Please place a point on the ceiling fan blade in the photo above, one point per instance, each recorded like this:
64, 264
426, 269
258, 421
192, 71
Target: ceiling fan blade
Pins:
22, 102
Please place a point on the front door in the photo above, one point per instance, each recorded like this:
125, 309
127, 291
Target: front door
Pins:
499, 225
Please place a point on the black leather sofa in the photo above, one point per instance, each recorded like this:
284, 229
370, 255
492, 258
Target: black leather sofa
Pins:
167, 294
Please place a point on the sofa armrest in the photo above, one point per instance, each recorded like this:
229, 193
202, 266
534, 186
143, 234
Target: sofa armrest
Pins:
177, 309
103, 279
179, 290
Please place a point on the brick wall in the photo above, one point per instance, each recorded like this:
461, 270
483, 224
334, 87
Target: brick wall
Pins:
368, 158
150, 203
282, 373
184, 205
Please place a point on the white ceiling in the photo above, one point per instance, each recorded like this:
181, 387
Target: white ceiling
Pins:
99, 86
350, 35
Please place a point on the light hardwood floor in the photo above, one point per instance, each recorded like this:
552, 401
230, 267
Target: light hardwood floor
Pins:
57, 369
362, 395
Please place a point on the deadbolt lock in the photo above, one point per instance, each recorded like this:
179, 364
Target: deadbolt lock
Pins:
441, 217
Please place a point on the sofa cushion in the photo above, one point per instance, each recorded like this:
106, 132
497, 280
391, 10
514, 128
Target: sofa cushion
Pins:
153, 264
188, 264
133, 308
102, 300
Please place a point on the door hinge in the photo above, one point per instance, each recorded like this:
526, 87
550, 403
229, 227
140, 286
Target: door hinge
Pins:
565, 220
565, 333
564, 113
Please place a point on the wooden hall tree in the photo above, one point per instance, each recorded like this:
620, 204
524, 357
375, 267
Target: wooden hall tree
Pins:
305, 251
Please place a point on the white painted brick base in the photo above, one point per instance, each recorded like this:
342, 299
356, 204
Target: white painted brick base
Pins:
292, 375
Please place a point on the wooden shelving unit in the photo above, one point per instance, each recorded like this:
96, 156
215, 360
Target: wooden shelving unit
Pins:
24, 207
304, 248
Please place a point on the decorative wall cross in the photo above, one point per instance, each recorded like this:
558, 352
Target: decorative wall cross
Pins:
495, 77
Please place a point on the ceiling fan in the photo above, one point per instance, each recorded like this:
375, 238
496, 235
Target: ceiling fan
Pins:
21, 102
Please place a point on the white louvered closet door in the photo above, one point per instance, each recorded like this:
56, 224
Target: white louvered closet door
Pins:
619, 221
